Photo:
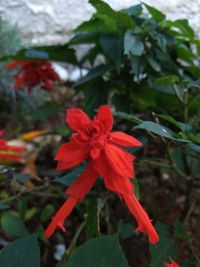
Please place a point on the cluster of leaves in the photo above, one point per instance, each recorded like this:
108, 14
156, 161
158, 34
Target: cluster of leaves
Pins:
138, 61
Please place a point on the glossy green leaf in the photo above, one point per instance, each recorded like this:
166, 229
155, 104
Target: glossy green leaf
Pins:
13, 225
133, 44
103, 8
22, 252
98, 252
156, 129
178, 158
95, 73
112, 46
156, 14
53, 53
70, 177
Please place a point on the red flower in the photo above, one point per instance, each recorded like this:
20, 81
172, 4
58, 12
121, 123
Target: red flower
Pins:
33, 73
93, 140
9, 152
172, 264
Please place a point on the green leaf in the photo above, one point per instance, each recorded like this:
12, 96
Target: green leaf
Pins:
154, 64
156, 129
185, 54
180, 231
182, 126
132, 44
95, 73
84, 38
95, 96
183, 26
112, 47
178, 158
103, 8
22, 252
125, 230
164, 250
70, 177
135, 10
47, 212
13, 225
53, 53
126, 116
99, 252
156, 14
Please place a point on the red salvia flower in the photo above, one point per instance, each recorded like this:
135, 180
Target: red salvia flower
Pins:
33, 73
172, 264
94, 141
9, 152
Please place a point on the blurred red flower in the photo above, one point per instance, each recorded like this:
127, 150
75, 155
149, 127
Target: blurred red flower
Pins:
93, 140
33, 73
172, 264
9, 152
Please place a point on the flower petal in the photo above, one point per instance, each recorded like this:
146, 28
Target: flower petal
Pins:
113, 181
172, 264
83, 183
142, 218
119, 160
104, 115
59, 218
71, 154
77, 119
123, 139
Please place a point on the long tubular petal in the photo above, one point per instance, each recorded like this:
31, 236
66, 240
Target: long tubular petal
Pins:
83, 183
104, 115
71, 154
113, 181
125, 140
61, 215
77, 119
119, 160
142, 218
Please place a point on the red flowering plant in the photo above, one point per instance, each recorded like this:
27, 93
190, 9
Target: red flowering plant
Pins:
93, 140
33, 73
172, 264
9, 152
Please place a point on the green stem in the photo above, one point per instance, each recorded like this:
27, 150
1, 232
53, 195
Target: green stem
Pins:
72, 246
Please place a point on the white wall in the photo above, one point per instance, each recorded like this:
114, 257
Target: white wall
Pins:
52, 21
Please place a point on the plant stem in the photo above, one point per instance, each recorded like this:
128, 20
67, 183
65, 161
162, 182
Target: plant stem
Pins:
72, 246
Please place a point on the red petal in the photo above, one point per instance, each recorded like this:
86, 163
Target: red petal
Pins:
142, 218
71, 154
20, 81
173, 264
12, 64
77, 119
83, 183
119, 160
104, 115
113, 181
123, 139
59, 218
